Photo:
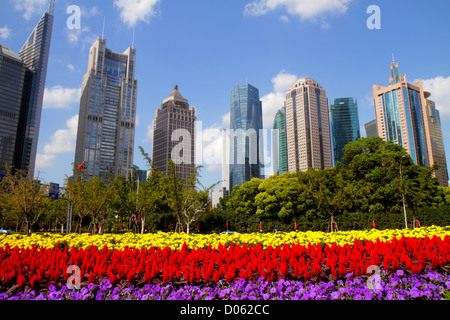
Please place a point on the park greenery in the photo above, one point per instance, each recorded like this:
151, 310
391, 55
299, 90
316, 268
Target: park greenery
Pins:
375, 183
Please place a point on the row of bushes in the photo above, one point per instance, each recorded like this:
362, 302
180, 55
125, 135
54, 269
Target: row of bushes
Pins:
217, 220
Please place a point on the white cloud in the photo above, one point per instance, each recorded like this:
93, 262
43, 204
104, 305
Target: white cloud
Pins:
273, 101
133, 11
62, 141
30, 8
439, 87
5, 32
284, 19
305, 9
58, 97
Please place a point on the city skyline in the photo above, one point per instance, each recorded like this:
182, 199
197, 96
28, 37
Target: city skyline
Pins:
208, 54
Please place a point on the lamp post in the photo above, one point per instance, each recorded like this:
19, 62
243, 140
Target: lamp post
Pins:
403, 192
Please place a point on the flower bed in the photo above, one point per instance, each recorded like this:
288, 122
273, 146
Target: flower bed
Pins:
31, 268
175, 240
399, 286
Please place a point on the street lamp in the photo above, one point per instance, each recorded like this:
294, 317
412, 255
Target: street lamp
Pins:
403, 192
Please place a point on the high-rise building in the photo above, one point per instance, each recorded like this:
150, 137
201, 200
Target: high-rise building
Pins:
106, 123
435, 141
22, 92
344, 124
371, 128
279, 143
400, 115
405, 116
12, 78
307, 126
245, 139
174, 135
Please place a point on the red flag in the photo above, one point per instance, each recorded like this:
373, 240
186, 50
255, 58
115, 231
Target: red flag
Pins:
373, 223
81, 166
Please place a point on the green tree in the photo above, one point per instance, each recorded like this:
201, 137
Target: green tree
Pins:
89, 198
25, 197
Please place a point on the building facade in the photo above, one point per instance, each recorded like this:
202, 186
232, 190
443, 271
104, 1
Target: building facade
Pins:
371, 129
279, 142
245, 139
174, 135
344, 124
407, 117
307, 126
107, 117
12, 78
22, 92
435, 141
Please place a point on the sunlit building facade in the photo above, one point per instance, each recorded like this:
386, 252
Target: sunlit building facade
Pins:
307, 127
246, 122
107, 117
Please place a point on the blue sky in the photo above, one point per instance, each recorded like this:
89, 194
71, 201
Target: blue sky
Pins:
207, 47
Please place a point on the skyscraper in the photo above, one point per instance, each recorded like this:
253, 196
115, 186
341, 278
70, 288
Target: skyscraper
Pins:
22, 92
400, 115
106, 123
12, 79
279, 142
307, 126
174, 135
344, 124
435, 141
245, 140
371, 128
405, 116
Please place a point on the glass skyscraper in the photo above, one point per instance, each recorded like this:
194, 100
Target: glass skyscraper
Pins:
106, 123
344, 124
279, 142
245, 140
406, 116
22, 87
400, 115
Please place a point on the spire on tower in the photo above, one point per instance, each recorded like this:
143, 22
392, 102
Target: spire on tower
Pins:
51, 6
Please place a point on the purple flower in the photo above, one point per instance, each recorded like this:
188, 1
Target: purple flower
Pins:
400, 272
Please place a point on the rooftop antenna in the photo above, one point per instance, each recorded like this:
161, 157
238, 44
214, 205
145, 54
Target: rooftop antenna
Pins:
51, 6
103, 30
393, 60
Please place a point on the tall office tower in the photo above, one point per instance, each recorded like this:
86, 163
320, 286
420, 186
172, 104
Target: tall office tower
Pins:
279, 142
106, 123
344, 124
371, 129
245, 140
174, 135
12, 78
435, 143
400, 114
22, 88
307, 126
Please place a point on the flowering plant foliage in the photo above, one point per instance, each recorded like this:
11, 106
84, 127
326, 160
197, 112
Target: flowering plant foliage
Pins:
33, 268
